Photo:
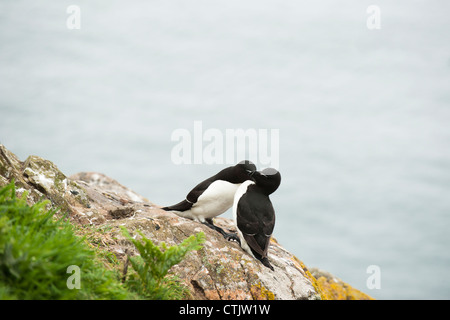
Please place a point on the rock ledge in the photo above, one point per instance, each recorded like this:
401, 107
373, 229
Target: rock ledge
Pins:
220, 270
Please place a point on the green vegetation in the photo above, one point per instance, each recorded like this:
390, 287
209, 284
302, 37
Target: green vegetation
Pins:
37, 251
153, 264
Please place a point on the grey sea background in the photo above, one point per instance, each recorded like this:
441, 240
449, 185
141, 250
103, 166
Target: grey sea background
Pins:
363, 115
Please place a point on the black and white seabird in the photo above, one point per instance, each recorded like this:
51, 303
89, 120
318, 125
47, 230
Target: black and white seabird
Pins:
214, 196
254, 214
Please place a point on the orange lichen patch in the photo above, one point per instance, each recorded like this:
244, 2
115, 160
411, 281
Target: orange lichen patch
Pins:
333, 288
273, 240
301, 266
260, 293
340, 290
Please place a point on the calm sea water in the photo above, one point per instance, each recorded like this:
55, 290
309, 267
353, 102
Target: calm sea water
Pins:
363, 115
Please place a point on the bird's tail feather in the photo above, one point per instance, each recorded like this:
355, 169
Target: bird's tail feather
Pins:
181, 206
266, 262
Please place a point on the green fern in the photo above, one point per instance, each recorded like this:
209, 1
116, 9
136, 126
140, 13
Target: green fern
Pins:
154, 263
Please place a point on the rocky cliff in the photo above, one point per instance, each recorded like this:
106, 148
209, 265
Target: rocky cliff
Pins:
221, 270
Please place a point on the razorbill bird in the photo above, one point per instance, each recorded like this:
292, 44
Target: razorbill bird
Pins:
214, 196
254, 215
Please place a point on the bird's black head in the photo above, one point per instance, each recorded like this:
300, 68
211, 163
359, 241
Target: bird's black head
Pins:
244, 170
268, 180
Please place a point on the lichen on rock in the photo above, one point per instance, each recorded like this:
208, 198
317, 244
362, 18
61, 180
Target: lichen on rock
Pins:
333, 288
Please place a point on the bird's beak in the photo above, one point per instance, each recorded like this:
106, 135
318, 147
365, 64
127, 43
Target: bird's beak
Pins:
250, 172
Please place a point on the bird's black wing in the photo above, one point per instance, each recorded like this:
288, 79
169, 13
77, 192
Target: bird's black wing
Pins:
198, 190
256, 220
192, 196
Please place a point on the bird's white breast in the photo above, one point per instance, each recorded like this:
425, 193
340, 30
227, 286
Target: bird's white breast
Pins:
215, 200
238, 194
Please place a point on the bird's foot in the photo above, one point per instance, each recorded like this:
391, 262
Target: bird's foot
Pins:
232, 237
229, 236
